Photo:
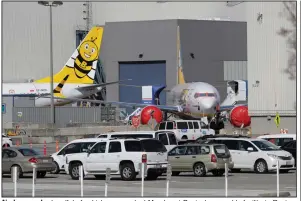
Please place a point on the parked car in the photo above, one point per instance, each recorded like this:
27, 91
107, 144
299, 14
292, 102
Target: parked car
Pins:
6, 141
186, 129
123, 156
24, 159
256, 154
168, 138
291, 148
200, 159
278, 139
75, 146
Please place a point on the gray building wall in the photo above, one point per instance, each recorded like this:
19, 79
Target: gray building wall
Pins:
212, 43
209, 41
124, 41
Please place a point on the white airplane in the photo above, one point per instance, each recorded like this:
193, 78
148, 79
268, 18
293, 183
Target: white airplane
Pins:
189, 100
75, 80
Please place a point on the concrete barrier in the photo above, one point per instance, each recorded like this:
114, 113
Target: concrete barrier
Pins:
64, 135
274, 194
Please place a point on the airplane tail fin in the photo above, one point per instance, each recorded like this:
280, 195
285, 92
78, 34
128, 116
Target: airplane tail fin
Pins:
181, 78
81, 66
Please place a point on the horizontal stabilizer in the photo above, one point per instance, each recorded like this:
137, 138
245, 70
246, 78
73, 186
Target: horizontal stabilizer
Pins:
100, 85
161, 107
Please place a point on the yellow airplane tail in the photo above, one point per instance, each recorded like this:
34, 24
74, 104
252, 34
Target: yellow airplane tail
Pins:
81, 66
181, 78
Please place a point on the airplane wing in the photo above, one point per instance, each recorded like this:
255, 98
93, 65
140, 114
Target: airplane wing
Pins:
100, 85
161, 107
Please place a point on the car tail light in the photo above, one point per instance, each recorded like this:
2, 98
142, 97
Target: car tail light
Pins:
213, 158
144, 158
174, 126
33, 160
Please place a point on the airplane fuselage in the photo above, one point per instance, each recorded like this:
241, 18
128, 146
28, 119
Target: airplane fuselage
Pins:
197, 99
36, 89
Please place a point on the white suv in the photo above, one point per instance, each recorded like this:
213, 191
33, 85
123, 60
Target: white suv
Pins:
256, 154
186, 129
122, 156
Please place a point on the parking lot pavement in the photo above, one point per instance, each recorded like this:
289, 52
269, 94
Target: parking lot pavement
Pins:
239, 184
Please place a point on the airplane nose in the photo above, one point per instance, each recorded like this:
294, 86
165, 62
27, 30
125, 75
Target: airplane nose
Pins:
208, 104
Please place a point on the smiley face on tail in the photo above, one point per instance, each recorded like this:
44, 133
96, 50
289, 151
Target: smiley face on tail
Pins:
87, 54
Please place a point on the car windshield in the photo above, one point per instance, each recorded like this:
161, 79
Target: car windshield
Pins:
151, 145
266, 145
28, 152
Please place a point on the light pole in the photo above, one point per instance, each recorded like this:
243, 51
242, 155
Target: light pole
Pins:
51, 4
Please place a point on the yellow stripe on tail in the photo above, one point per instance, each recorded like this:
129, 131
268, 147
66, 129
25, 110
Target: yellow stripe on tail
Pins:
57, 92
81, 66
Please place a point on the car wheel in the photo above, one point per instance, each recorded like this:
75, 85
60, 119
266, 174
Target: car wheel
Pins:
41, 174
57, 168
184, 137
199, 170
175, 173
261, 166
127, 172
100, 176
19, 170
218, 172
74, 171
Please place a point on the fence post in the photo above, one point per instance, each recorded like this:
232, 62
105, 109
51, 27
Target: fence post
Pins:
168, 172
277, 178
15, 179
226, 180
108, 177
81, 174
142, 178
34, 176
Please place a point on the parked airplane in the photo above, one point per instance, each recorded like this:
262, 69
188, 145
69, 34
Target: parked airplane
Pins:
189, 100
75, 80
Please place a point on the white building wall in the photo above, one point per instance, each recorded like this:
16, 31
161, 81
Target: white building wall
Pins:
26, 29
26, 38
267, 60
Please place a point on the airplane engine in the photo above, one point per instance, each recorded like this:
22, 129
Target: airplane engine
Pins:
151, 111
239, 117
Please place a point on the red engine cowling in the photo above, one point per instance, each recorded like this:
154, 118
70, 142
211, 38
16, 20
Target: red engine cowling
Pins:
149, 111
240, 116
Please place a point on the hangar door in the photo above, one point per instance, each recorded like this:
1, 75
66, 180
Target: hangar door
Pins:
142, 74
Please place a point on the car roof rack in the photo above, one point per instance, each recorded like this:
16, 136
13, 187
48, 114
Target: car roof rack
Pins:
222, 136
123, 137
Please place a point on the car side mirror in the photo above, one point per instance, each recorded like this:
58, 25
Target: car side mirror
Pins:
250, 149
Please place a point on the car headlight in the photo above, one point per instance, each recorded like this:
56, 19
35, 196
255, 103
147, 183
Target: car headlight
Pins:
272, 156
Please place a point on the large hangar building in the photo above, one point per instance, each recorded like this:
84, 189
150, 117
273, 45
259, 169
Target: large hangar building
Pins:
241, 42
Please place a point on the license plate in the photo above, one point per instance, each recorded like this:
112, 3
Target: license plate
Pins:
288, 162
45, 161
158, 166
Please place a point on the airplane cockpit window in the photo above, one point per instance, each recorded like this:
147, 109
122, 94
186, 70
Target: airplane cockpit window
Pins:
234, 86
197, 95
